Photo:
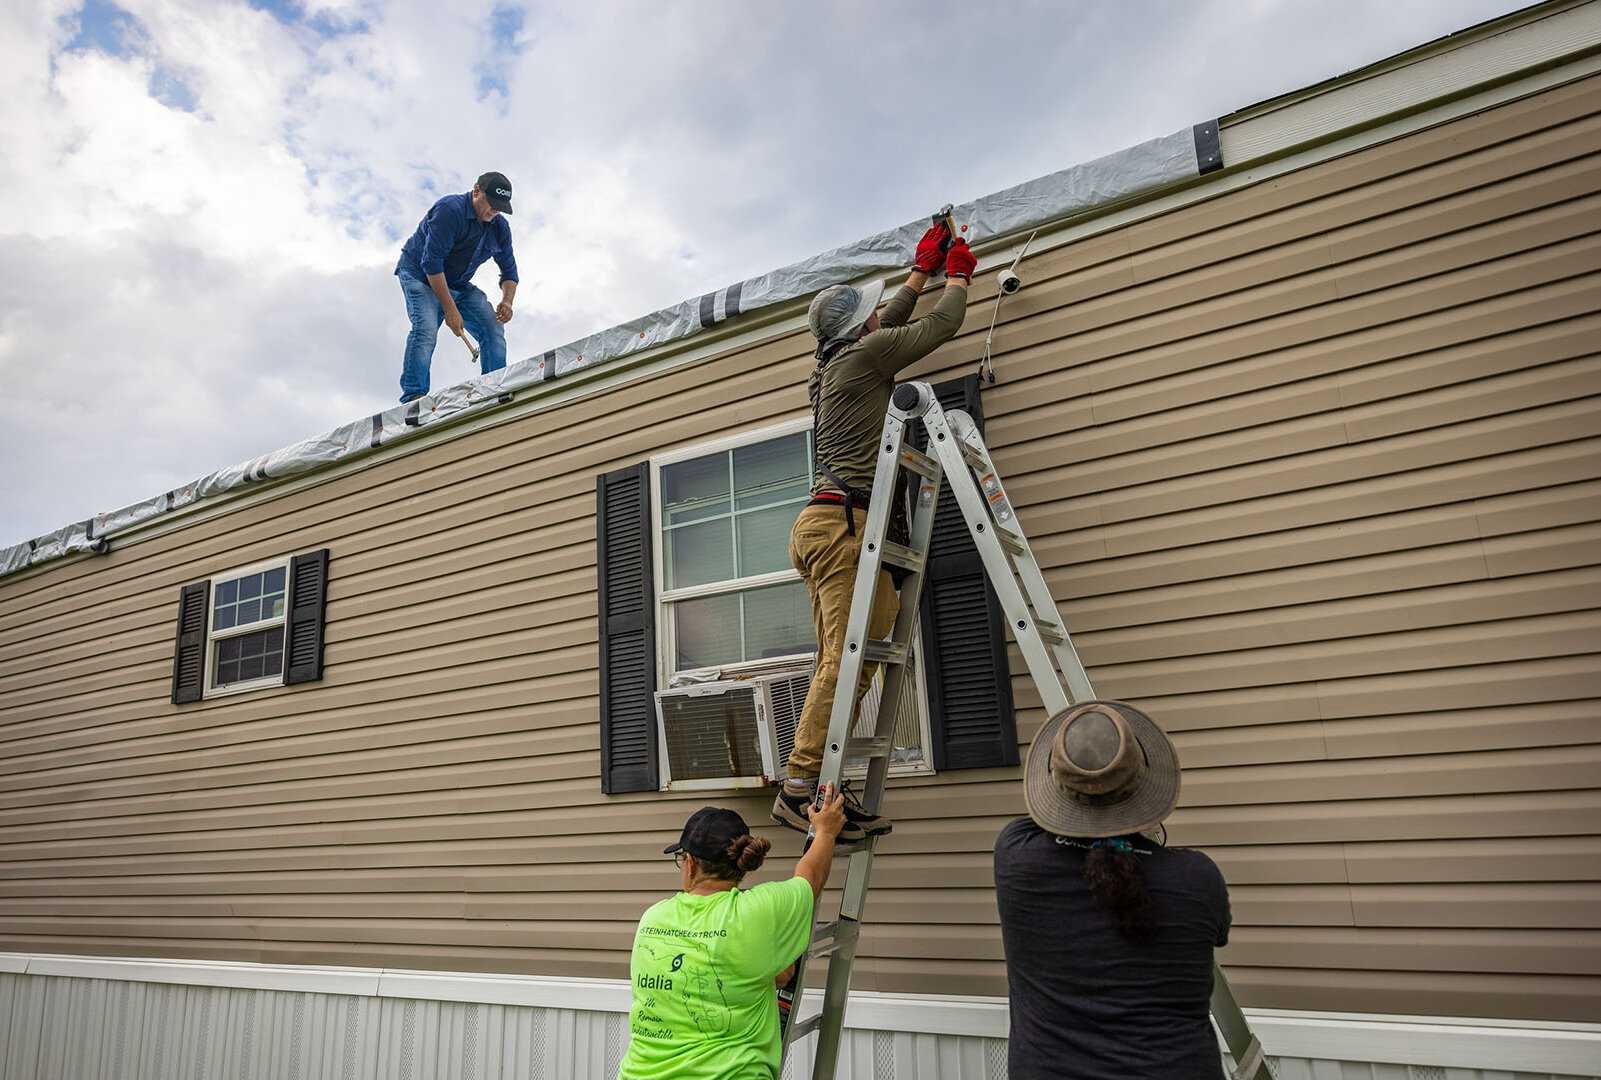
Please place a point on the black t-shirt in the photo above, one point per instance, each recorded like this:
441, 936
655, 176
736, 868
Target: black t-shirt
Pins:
1086, 1001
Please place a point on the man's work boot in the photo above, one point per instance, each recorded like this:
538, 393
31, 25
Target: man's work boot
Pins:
859, 818
789, 810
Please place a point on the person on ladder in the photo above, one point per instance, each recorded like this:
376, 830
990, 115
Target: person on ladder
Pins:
859, 354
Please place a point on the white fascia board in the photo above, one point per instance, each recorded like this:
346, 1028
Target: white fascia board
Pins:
1431, 74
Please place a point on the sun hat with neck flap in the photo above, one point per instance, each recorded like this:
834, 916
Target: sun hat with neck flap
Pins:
839, 312
1100, 769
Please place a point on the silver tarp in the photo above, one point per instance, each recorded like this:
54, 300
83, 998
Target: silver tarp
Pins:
1128, 174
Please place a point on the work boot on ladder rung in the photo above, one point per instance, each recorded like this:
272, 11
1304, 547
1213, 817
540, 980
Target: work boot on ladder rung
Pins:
789, 810
860, 818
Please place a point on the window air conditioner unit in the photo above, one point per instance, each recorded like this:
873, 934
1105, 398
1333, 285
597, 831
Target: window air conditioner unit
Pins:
730, 734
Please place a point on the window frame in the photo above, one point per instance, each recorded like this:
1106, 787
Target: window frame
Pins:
666, 626
210, 687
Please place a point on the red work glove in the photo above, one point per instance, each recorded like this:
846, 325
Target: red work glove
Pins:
959, 261
930, 250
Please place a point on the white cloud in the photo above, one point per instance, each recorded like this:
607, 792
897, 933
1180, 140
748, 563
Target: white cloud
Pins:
184, 289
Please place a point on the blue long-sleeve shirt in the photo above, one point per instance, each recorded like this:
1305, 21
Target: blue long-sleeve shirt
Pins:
450, 240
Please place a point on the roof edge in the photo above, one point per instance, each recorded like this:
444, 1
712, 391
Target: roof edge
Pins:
1496, 53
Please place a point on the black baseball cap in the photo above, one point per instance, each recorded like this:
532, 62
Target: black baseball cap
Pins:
708, 833
497, 189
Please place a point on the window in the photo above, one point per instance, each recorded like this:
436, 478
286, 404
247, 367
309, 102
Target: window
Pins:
250, 628
248, 612
730, 602
728, 593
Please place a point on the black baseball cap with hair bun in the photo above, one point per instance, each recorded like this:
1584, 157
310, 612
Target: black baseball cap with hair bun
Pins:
708, 833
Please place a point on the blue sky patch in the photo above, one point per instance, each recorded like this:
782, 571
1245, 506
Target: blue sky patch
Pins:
104, 26
329, 25
495, 68
285, 11
169, 88
324, 23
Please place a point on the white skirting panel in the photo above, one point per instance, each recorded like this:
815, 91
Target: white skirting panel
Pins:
54, 1028
893, 1055
171, 1020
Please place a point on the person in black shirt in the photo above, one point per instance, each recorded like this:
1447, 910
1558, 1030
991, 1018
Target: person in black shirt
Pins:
1108, 933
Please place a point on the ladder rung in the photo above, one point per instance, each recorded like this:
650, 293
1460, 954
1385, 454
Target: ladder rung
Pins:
833, 937
1051, 632
884, 652
802, 1028
974, 458
1250, 1062
868, 746
900, 555
1009, 543
920, 463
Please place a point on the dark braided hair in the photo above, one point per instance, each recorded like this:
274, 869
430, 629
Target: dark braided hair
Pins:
745, 854
1118, 885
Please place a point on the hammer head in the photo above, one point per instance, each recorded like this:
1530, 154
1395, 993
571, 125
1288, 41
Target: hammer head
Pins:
942, 216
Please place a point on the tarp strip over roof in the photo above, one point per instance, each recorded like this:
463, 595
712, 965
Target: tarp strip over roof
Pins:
1136, 172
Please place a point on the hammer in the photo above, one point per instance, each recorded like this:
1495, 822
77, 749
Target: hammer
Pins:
467, 341
942, 216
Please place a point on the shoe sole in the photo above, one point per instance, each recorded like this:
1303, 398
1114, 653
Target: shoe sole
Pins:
787, 823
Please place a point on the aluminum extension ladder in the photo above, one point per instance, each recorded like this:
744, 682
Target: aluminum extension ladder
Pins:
956, 452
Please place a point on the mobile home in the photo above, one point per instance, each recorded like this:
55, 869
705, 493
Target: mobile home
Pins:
358, 760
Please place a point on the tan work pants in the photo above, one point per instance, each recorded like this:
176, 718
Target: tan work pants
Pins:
826, 556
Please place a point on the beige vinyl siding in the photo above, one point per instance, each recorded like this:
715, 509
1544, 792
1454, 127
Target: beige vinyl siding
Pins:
1313, 467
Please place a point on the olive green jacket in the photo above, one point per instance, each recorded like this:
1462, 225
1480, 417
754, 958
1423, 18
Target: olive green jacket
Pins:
850, 391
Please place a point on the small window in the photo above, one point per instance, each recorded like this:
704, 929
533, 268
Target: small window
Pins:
249, 609
251, 628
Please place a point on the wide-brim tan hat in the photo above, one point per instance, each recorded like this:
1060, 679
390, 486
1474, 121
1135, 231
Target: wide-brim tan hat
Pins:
1128, 793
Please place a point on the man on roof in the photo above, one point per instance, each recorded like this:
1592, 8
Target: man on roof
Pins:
457, 236
859, 354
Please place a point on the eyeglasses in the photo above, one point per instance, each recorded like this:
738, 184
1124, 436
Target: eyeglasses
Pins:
678, 859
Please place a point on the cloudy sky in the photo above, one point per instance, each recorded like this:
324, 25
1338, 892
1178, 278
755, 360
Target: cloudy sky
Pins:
203, 200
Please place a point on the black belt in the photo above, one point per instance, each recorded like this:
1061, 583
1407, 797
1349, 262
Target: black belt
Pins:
897, 574
846, 502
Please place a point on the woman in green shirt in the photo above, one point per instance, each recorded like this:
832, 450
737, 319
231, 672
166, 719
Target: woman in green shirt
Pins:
706, 960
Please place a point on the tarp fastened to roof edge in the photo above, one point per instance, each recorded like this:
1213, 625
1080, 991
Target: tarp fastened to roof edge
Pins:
1138, 171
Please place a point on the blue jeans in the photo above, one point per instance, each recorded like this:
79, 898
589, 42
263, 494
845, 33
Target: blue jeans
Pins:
422, 306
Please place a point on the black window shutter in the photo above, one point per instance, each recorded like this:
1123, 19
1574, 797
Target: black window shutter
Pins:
308, 600
963, 629
627, 630
189, 660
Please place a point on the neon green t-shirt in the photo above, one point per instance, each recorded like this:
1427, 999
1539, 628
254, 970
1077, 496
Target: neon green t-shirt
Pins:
705, 1007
